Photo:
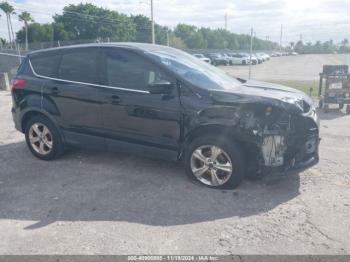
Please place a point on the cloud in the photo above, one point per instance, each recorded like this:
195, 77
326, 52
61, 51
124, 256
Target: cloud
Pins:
315, 20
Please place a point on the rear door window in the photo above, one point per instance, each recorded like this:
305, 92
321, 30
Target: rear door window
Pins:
46, 63
80, 65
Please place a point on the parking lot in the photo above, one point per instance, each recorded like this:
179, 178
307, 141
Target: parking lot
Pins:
106, 203
299, 68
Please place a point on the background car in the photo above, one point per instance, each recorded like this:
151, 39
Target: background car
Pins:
203, 58
265, 56
260, 58
217, 59
228, 58
253, 59
239, 59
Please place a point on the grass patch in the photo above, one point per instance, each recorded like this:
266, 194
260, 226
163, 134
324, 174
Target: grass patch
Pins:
301, 85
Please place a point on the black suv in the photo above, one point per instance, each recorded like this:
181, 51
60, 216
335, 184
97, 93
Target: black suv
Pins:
161, 102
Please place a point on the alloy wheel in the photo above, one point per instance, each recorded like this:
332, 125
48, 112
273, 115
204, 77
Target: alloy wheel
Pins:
40, 138
211, 165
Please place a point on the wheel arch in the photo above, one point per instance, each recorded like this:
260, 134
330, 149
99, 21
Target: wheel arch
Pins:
30, 113
218, 130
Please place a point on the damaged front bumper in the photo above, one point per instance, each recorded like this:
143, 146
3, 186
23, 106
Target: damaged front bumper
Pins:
295, 163
284, 142
293, 149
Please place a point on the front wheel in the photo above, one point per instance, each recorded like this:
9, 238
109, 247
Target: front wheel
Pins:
215, 162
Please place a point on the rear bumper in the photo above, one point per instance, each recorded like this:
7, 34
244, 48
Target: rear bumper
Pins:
16, 119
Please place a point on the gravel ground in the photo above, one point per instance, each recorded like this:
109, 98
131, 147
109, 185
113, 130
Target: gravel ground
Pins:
301, 68
104, 203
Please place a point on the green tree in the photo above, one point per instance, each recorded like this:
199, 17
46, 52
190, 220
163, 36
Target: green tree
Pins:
26, 18
86, 21
143, 27
59, 33
176, 42
37, 33
8, 10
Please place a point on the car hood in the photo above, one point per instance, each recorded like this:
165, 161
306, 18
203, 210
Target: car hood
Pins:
258, 91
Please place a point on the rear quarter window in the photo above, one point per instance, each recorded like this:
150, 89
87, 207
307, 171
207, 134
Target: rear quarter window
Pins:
46, 64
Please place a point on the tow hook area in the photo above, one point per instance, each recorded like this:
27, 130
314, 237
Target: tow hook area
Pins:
273, 148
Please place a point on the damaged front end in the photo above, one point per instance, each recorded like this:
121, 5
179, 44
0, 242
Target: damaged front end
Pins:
280, 137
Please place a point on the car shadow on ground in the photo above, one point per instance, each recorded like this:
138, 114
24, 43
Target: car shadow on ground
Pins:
99, 186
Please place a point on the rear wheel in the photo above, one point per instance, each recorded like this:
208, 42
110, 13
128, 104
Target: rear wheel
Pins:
43, 138
215, 163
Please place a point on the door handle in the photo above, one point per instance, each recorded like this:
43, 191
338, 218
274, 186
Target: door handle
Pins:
115, 99
55, 91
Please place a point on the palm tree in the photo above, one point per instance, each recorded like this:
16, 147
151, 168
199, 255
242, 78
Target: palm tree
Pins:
26, 18
4, 6
0, 39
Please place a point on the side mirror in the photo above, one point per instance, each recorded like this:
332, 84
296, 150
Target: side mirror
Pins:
160, 87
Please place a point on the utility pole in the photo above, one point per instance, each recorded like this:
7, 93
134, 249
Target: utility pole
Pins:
167, 38
281, 35
251, 53
152, 18
226, 21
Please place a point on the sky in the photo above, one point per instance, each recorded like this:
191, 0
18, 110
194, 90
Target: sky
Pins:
310, 20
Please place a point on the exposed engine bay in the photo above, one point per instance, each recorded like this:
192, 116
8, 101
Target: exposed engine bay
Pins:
280, 138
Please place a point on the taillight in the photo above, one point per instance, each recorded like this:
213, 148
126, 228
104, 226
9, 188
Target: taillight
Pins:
17, 83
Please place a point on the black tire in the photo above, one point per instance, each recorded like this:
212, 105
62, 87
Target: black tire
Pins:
244, 62
57, 144
232, 149
341, 106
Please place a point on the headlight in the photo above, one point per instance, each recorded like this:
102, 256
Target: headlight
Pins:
301, 104
294, 101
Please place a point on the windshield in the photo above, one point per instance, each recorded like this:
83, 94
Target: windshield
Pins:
194, 70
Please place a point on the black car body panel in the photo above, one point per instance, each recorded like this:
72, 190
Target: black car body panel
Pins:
277, 126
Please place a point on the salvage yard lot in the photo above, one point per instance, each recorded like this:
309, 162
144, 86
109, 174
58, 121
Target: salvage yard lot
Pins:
297, 68
105, 203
